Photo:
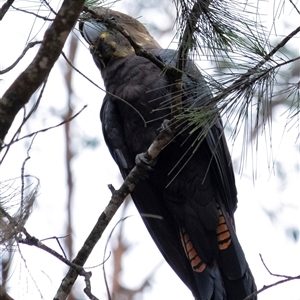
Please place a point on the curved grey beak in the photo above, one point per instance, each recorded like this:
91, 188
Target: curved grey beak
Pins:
91, 30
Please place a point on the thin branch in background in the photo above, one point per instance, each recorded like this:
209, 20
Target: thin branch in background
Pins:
34, 14
266, 287
58, 242
43, 130
69, 153
50, 7
32, 241
79, 72
5, 7
30, 45
14, 139
273, 274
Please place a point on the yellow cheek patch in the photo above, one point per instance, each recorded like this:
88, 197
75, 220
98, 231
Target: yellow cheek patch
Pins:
104, 35
113, 44
223, 233
196, 262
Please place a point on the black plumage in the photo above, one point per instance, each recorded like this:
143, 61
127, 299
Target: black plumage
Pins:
193, 191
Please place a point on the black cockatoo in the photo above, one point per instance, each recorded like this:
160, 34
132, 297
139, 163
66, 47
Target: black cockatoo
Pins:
191, 188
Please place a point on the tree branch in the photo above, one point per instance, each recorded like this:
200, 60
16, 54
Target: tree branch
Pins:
5, 7
4, 295
266, 287
32, 241
32, 13
163, 138
19, 93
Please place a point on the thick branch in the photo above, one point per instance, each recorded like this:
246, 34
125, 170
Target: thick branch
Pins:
117, 199
4, 295
5, 7
19, 93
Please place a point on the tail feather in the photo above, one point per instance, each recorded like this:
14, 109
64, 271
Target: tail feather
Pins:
231, 255
228, 276
213, 284
240, 288
237, 277
210, 284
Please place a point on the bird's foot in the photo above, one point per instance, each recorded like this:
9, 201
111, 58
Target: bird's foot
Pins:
165, 126
146, 163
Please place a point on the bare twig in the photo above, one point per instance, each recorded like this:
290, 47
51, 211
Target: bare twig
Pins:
28, 82
276, 275
25, 119
88, 289
58, 242
32, 241
50, 7
30, 45
32, 13
266, 287
111, 188
48, 128
69, 153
